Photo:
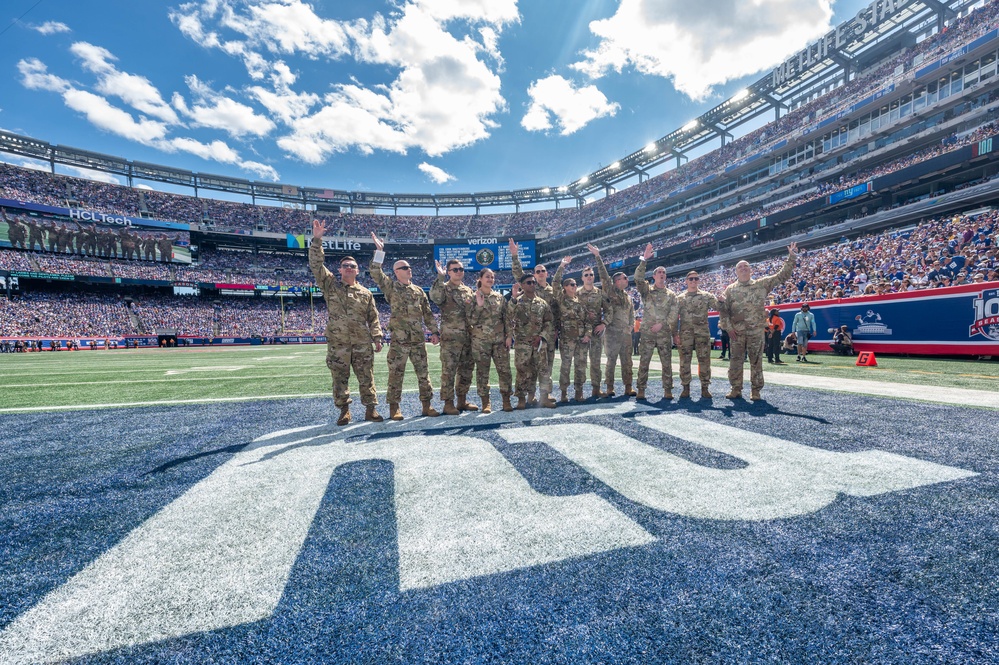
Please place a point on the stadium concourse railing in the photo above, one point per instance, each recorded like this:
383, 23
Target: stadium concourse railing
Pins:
951, 321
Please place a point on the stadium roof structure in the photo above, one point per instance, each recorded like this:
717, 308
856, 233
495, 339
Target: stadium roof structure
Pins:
878, 30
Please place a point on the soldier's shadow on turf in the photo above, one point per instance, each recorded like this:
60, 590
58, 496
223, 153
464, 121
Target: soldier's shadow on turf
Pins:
163, 468
758, 409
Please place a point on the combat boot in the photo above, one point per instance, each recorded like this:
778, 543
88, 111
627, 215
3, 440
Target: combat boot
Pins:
429, 411
755, 395
734, 394
344, 418
704, 393
463, 404
596, 394
506, 404
449, 409
565, 397
685, 393
629, 392
547, 402
394, 412
521, 403
641, 394
532, 401
668, 394
580, 397
610, 391
371, 415
485, 404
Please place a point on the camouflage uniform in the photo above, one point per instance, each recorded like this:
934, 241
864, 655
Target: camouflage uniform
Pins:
35, 235
593, 302
546, 293
659, 306
529, 318
16, 232
576, 324
410, 313
490, 328
743, 313
350, 331
620, 324
456, 340
695, 334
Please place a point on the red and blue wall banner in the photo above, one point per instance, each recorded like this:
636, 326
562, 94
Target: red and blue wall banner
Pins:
956, 320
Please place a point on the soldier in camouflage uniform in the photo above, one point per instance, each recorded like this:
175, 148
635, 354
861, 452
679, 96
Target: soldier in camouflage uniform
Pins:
741, 314
533, 330
620, 324
693, 306
410, 313
452, 297
592, 298
545, 291
658, 325
351, 330
491, 339
576, 333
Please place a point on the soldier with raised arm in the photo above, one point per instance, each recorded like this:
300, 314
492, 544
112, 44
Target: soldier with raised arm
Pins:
741, 314
451, 295
533, 331
592, 298
544, 290
351, 331
576, 333
620, 324
410, 315
658, 325
692, 308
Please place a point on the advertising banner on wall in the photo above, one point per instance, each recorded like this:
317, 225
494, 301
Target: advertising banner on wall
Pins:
479, 253
957, 320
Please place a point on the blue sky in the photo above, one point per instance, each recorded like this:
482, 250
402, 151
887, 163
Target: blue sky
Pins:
415, 96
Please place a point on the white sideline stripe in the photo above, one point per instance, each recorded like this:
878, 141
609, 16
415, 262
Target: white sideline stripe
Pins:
955, 396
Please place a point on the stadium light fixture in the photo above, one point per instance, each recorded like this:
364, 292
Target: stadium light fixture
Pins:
616, 165
563, 188
651, 147
546, 190
691, 125
742, 94
585, 179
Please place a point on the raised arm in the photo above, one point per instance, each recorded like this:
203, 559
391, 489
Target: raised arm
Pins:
324, 278
515, 265
383, 281
605, 280
770, 281
557, 279
437, 292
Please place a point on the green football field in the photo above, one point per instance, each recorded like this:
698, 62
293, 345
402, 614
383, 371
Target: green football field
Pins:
163, 376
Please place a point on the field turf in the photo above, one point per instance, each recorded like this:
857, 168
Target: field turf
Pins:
205, 509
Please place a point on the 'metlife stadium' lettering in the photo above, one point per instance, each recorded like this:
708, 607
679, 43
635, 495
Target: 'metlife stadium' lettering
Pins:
868, 18
90, 216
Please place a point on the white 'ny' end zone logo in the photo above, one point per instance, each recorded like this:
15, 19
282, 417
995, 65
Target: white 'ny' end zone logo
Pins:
220, 555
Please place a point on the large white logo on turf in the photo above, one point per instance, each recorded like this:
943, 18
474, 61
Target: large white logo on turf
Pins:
220, 555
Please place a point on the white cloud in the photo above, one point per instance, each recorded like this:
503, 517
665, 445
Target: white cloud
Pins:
35, 76
435, 173
136, 91
217, 151
216, 111
97, 176
444, 95
554, 101
700, 45
102, 114
51, 28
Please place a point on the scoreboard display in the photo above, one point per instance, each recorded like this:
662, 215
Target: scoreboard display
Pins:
479, 253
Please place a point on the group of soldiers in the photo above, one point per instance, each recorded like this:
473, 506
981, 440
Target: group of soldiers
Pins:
479, 328
88, 240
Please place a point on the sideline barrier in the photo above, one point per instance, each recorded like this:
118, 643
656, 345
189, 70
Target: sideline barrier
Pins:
956, 320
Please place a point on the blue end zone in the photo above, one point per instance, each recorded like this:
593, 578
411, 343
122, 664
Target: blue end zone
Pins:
900, 577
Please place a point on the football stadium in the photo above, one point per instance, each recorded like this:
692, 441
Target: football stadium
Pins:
550, 432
